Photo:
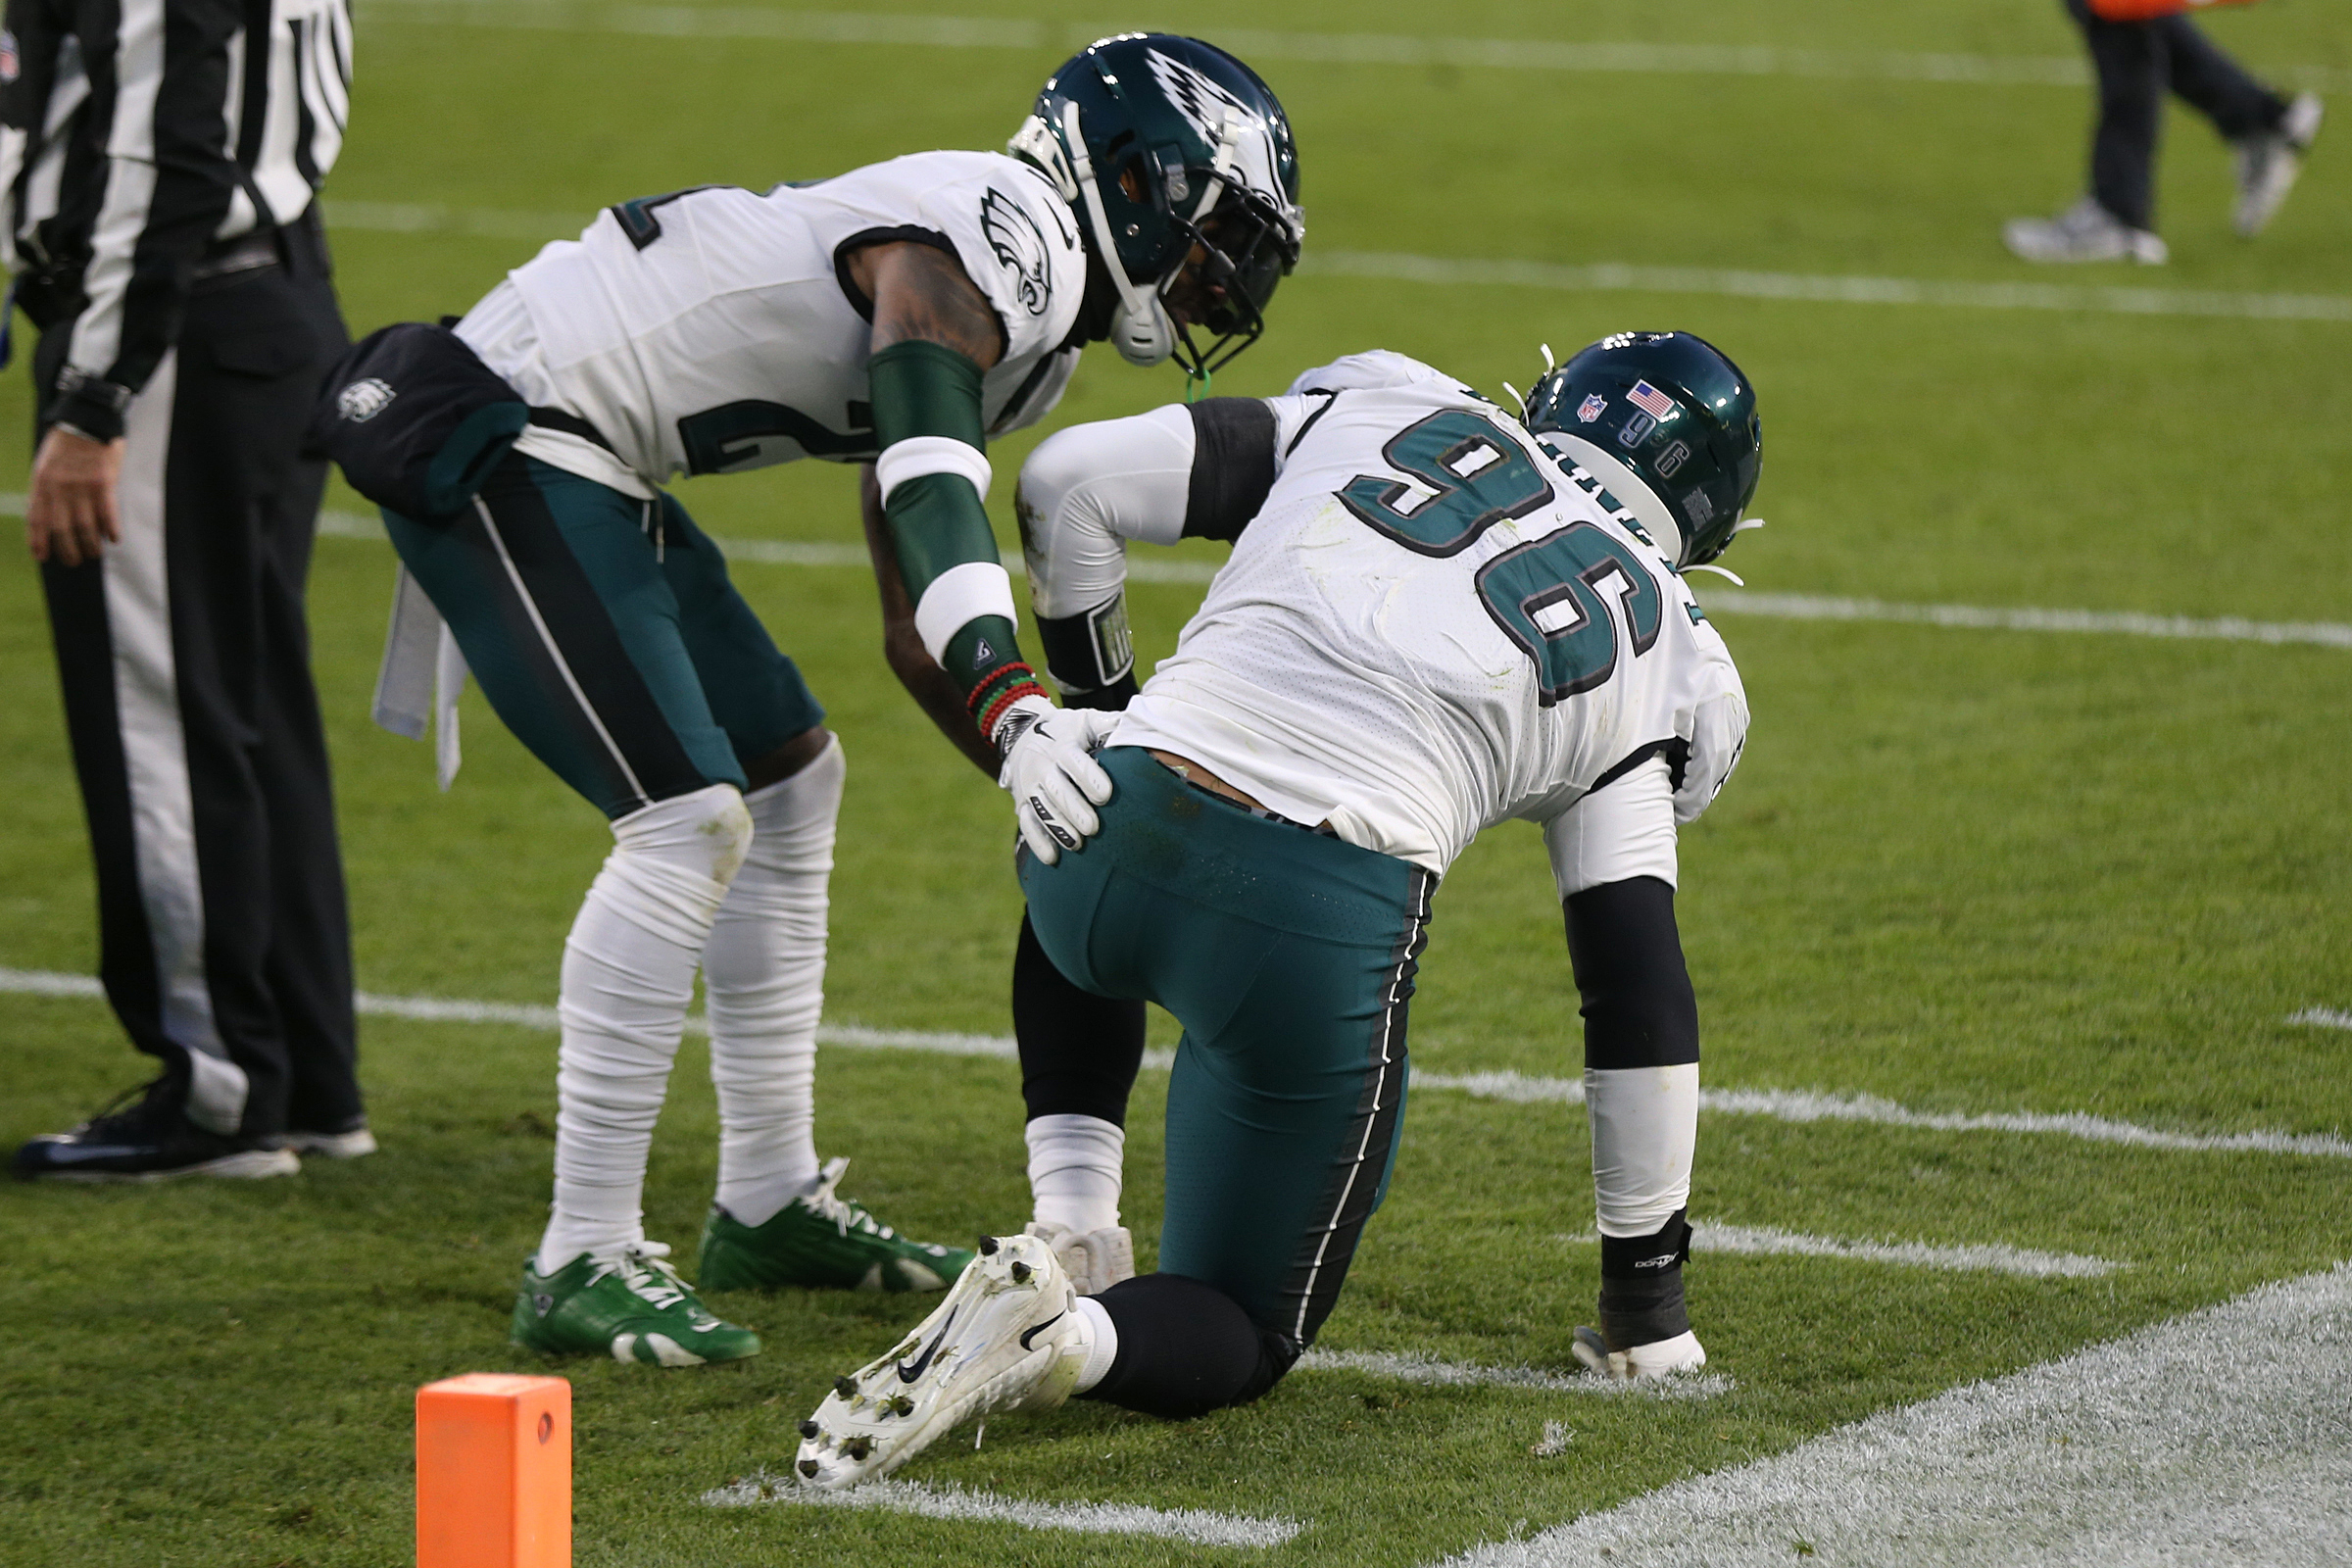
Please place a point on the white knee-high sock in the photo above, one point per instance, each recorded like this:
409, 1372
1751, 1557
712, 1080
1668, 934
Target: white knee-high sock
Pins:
1645, 1129
1075, 1168
628, 975
764, 971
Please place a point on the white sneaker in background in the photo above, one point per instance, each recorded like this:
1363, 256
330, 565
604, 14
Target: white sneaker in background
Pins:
2268, 164
2084, 233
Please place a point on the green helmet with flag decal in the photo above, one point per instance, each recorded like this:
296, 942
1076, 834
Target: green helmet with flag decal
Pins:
1668, 423
1177, 162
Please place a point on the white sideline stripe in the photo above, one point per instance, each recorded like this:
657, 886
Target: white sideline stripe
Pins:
1406, 1366
2228, 628
1783, 1104
1809, 1106
2323, 1019
2218, 1436
1726, 601
1342, 48
763, 552
1196, 1525
424, 218
1734, 284
1991, 1257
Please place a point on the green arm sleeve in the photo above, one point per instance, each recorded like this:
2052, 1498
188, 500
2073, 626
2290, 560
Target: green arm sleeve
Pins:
937, 520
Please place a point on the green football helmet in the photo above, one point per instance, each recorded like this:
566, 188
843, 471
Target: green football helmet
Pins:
1669, 424
1164, 146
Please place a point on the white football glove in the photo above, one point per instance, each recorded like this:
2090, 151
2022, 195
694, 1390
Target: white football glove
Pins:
1050, 770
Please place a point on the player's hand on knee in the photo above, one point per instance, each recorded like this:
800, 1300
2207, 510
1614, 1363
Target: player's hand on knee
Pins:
1051, 772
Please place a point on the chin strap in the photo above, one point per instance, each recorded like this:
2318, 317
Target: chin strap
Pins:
1141, 330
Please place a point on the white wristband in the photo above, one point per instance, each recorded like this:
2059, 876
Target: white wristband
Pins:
919, 454
958, 597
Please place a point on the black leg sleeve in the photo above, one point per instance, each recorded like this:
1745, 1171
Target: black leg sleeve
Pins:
1186, 1349
1080, 1053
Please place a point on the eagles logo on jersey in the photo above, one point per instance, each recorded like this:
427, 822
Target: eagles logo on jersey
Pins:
1019, 244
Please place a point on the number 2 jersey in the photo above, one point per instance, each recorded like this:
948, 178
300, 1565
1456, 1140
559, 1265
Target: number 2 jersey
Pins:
718, 329
1435, 623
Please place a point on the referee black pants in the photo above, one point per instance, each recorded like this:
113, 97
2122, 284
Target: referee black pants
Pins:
225, 945
2137, 64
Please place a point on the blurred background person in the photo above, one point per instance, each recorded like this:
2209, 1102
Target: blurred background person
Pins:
2141, 49
157, 173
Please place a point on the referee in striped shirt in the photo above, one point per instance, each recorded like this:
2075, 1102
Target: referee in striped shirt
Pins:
159, 163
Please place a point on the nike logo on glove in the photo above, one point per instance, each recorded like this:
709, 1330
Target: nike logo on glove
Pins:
922, 1362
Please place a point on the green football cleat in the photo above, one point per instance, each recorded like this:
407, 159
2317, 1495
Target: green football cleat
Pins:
630, 1306
821, 1241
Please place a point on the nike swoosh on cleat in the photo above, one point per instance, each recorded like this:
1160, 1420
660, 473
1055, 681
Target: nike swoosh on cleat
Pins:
1040, 1329
922, 1362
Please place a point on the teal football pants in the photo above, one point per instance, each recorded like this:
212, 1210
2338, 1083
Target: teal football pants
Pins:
605, 633
1289, 957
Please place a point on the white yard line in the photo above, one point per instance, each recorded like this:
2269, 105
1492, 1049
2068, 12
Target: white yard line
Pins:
1194, 1526
1734, 284
2323, 1019
1807, 1105
2230, 628
1717, 601
1783, 1104
1406, 1366
2223, 1437
1988, 1257
1617, 277
1326, 48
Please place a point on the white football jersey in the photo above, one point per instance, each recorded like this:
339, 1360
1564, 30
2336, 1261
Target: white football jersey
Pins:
1435, 623
716, 329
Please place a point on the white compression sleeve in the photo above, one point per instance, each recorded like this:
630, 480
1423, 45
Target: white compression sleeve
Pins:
765, 973
628, 975
1087, 490
1645, 1130
1075, 1170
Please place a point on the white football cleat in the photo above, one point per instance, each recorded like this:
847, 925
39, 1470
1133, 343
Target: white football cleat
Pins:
1008, 1336
1657, 1359
1094, 1260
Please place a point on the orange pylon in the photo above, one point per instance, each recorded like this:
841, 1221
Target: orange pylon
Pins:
494, 1472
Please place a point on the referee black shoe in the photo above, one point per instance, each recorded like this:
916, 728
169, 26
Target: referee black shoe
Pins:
145, 1135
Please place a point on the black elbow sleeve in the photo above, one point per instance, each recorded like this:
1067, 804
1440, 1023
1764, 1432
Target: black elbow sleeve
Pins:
1638, 1006
1233, 465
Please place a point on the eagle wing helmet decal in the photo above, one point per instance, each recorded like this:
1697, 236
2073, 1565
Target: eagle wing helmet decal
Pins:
1020, 246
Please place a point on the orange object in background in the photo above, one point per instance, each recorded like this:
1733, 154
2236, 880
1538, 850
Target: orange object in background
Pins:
494, 1472
2150, 10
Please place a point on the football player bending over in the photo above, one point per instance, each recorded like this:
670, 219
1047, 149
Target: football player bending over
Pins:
900, 314
1435, 618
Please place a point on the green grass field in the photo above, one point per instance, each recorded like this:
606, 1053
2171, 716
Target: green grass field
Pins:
1963, 870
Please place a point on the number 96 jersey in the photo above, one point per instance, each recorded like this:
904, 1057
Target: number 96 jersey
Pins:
1434, 622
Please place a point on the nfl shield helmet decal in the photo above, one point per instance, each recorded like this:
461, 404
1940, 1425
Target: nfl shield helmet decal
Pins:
1019, 245
1591, 410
